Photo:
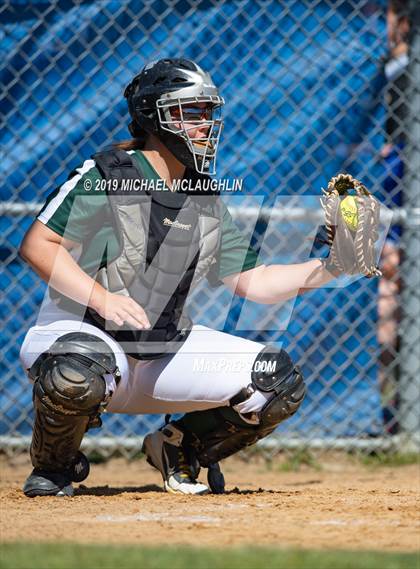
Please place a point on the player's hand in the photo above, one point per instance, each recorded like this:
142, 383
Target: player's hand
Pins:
120, 309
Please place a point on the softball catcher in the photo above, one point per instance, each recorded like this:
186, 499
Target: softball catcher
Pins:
113, 334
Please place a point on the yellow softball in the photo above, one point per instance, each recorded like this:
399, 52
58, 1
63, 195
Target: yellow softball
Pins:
348, 208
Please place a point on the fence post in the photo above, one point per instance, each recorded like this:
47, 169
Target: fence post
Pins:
409, 413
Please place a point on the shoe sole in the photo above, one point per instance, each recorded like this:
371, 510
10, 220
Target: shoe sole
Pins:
67, 491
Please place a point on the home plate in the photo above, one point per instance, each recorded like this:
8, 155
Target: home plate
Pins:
158, 518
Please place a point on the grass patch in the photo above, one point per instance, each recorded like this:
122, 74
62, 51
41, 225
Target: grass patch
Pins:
379, 459
98, 457
298, 459
74, 556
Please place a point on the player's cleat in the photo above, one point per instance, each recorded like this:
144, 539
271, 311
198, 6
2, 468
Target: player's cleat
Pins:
164, 451
47, 483
42, 483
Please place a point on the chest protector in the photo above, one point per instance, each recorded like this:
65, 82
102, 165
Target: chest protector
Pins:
168, 241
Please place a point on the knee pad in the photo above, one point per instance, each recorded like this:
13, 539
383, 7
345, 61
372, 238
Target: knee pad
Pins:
69, 377
230, 431
69, 393
274, 372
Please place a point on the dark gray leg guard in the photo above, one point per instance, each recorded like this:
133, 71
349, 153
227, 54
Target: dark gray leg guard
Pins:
227, 430
69, 392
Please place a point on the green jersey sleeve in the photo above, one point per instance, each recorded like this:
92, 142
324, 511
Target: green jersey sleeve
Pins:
235, 255
77, 207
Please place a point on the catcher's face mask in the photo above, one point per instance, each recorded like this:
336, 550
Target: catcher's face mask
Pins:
175, 100
197, 121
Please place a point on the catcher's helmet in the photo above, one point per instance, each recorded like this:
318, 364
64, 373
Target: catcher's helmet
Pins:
157, 98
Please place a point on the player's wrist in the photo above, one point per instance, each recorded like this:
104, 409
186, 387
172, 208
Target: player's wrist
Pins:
97, 297
330, 267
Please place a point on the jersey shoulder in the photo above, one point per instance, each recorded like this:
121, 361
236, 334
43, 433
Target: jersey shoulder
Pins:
70, 206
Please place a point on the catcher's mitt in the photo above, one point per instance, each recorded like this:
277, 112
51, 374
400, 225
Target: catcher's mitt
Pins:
351, 223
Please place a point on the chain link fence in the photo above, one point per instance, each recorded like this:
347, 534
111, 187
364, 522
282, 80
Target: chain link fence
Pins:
312, 88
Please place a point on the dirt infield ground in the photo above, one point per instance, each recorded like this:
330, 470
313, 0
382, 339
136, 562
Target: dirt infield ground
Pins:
343, 506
